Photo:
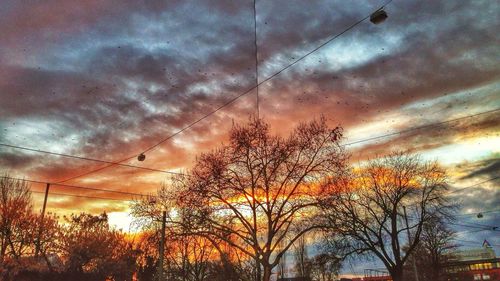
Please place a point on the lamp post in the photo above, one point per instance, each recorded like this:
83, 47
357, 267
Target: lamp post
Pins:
415, 270
40, 229
162, 246
161, 251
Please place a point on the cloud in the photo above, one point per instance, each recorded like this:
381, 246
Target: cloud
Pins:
428, 138
109, 79
490, 168
481, 196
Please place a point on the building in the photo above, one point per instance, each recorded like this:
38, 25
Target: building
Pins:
372, 275
474, 265
377, 275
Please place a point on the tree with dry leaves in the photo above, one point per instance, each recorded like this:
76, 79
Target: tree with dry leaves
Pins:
366, 207
16, 219
258, 192
93, 250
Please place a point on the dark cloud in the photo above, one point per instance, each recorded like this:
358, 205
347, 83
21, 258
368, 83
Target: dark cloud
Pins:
107, 79
15, 161
490, 168
477, 192
421, 140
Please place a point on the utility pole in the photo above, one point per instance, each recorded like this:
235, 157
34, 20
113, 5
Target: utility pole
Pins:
409, 243
40, 229
162, 246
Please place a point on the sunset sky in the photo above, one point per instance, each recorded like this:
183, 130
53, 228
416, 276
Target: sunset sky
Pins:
108, 79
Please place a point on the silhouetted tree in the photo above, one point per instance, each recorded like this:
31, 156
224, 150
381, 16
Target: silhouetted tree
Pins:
17, 222
49, 239
302, 261
257, 190
433, 251
19, 228
188, 257
92, 250
365, 207
325, 267
147, 259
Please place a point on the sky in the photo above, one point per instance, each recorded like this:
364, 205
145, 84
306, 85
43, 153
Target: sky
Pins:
108, 79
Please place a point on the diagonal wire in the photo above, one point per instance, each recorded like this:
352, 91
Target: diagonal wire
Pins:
474, 185
79, 187
422, 127
256, 55
83, 196
87, 159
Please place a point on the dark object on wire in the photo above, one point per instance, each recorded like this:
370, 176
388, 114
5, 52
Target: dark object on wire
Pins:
480, 215
378, 16
141, 157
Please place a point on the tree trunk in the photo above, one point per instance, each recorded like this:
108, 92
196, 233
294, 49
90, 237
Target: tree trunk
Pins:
3, 249
258, 271
184, 263
267, 273
397, 274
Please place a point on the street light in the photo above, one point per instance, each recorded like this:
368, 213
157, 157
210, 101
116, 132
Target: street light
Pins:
141, 157
378, 16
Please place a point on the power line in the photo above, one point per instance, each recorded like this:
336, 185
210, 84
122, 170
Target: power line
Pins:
473, 231
477, 226
83, 196
466, 241
482, 212
87, 159
422, 127
359, 141
231, 101
474, 242
80, 187
467, 187
494, 228
169, 172
346, 144
483, 225
268, 78
355, 142
235, 98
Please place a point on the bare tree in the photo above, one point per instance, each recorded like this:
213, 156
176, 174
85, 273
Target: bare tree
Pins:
258, 189
302, 262
325, 267
366, 207
16, 219
282, 266
433, 251
189, 257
